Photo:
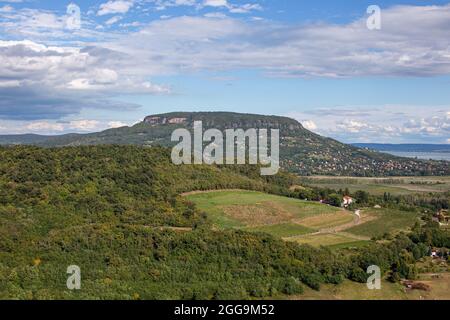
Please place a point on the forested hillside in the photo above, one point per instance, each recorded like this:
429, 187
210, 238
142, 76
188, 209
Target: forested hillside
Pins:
301, 151
115, 211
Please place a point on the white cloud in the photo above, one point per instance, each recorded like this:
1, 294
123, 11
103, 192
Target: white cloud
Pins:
113, 20
434, 125
32, 18
413, 42
164, 4
45, 25
83, 125
309, 124
217, 15
115, 6
116, 124
352, 126
131, 24
28, 63
9, 83
154, 88
218, 4
315, 50
233, 8
245, 8
6, 9
215, 3
180, 44
57, 127
44, 126
384, 124
47, 82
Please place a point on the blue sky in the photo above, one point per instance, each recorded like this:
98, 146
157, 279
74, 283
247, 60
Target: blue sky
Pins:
315, 61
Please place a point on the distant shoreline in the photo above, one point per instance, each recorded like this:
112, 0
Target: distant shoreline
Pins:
405, 147
422, 155
419, 151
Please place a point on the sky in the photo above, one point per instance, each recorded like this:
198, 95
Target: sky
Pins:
340, 69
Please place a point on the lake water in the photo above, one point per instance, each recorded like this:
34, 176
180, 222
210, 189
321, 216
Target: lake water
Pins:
422, 155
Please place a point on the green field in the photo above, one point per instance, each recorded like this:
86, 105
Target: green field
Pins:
385, 221
300, 221
378, 186
328, 239
256, 210
283, 230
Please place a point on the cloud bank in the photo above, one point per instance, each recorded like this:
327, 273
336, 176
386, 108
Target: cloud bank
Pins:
389, 124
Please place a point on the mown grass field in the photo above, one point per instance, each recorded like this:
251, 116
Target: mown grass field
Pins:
384, 221
378, 186
283, 230
328, 239
296, 220
332, 220
260, 211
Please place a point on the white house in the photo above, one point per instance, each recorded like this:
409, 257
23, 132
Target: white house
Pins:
346, 201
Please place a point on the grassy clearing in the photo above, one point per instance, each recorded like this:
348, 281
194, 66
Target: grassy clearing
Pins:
295, 220
350, 245
326, 239
378, 186
385, 220
248, 209
283, 230
332, 220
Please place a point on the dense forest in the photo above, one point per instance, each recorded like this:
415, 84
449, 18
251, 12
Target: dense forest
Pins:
115, 211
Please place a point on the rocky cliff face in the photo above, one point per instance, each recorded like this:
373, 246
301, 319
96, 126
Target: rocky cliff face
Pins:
222, 120
155, 120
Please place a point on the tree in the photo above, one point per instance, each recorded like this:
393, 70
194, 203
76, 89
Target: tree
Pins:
334, 200
362, 197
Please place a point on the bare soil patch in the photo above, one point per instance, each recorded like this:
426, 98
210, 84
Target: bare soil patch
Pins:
260, 214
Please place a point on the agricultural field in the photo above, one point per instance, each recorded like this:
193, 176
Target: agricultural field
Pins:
329, 239
254, 210
384, 221
300, 221
378, 186
283, 230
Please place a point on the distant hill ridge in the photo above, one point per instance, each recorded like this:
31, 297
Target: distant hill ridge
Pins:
301, 151
225, 120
